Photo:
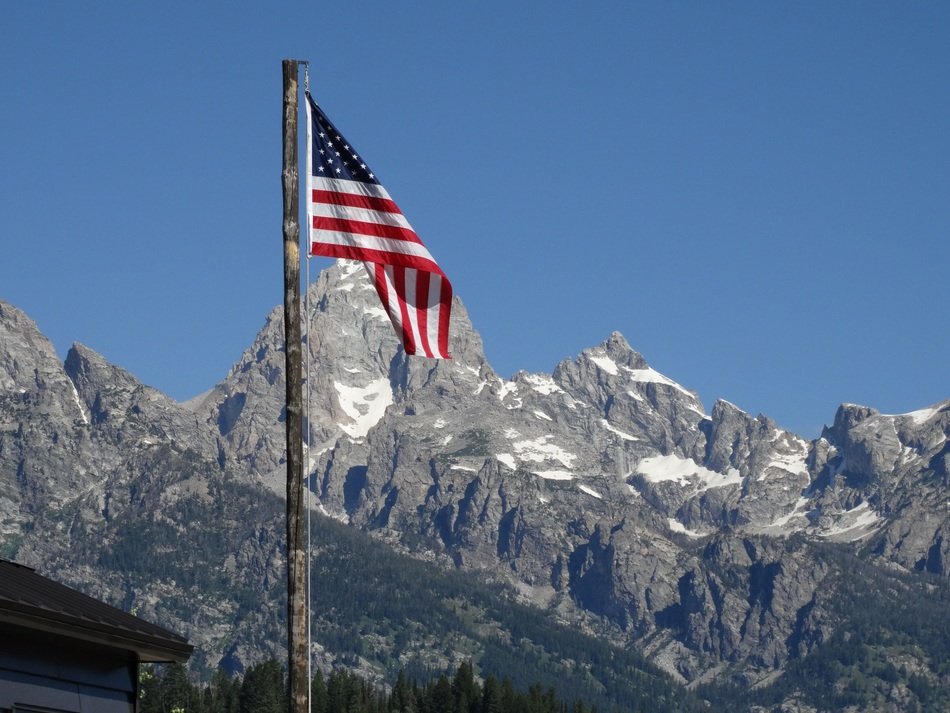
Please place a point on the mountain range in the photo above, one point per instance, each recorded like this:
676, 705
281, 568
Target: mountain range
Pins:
604, 494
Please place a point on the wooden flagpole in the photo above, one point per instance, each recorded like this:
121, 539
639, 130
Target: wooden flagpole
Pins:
296, 553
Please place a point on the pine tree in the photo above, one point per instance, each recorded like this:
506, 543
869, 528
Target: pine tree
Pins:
262, 690
345, 692
465, 688
222, 694
178, 693
402, 699
491, 696
441, 698
150, 690
319, 699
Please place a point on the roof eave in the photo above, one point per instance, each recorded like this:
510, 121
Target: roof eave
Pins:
147, 649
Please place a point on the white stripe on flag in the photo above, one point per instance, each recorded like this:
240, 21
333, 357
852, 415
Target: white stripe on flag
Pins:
365, 215
434, 309
410, 282
369, 242
341, 185
392, 299
350, 230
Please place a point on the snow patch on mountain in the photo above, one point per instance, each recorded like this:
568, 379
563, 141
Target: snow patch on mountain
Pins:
923, 415
684, 471
793, 521
313, 458
590, 491
794, 461
605, 363
853, 524
365, 405
554, 474
542, 383
649, 375
377, 313
613, 429
82, 409
677, 526
539, 450
506, 388
350, 268
507, 459
338, 516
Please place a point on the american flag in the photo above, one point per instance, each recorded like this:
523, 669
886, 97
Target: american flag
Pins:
352, 216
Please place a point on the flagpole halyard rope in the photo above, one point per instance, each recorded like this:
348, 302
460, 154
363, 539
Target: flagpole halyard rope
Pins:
307, 473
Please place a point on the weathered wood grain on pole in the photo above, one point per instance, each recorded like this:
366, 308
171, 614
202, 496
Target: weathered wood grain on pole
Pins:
296, 552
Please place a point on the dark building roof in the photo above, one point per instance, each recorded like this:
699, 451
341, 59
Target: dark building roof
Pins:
31, 601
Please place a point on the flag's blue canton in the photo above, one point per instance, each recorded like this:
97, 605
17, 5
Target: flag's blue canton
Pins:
333, 156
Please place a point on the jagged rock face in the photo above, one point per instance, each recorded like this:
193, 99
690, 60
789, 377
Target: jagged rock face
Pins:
891, 471
772, 464
129, 413
356, 372
75, 433
95, 465
602, 489
45, 455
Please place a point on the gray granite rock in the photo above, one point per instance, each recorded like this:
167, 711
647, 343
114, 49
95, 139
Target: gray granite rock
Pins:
603, 491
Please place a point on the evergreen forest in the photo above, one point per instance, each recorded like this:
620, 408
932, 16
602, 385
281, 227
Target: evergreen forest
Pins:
884, 638
263, 690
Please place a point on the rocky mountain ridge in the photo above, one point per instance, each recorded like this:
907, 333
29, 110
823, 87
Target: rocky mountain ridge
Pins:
604, 491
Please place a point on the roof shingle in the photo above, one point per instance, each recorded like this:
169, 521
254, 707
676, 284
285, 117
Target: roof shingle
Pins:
33, 601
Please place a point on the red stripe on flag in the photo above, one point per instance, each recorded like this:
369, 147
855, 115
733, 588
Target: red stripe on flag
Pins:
376, 230
422, 309
445, 309
354, 200
399, 282
354, 252
379, 279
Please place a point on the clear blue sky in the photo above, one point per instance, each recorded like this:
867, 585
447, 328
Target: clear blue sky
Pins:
757, 195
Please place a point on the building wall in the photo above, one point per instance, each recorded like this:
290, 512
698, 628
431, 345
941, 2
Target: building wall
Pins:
48, 672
